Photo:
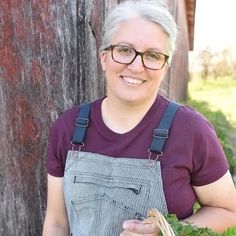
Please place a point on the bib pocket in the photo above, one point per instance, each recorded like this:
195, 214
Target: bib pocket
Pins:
129, 194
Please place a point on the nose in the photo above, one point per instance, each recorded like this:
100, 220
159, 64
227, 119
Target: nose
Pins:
137, 65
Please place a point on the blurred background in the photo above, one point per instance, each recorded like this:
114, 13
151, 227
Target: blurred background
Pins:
212, 67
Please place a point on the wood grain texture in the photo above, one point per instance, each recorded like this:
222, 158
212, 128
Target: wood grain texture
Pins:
48, 53
48, 63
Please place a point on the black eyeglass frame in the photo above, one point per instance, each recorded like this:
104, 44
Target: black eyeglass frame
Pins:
137, 53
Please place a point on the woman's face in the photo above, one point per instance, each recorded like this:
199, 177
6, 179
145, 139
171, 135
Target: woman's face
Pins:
134, 83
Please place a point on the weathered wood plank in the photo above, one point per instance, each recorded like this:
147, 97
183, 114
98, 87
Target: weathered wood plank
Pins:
38, 77
48, 62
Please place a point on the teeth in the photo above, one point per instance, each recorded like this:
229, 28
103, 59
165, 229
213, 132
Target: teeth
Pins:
132, 80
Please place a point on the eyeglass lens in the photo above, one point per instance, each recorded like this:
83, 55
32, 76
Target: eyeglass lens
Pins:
126, 55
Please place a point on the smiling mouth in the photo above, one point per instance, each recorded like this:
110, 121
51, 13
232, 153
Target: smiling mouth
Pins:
132, 81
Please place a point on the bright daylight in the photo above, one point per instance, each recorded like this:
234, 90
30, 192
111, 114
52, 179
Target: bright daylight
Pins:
212, 86
118, 118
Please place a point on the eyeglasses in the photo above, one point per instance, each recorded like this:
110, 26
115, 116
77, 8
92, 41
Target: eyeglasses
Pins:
126, 55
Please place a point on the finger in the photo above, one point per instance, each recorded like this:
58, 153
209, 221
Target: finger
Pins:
123, 233
128, 233
138, 227
133, 221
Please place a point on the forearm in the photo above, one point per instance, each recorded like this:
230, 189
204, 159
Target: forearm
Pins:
51, 229
56, 221
218, 219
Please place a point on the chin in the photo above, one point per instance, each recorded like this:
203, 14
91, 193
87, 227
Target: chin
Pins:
133, 100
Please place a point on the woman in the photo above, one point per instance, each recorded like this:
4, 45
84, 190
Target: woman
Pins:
133, 149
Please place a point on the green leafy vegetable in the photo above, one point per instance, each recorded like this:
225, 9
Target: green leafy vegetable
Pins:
190, 230
187, 229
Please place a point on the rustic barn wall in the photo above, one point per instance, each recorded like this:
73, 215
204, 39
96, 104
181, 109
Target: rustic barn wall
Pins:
37, 64
48, 62
177, 79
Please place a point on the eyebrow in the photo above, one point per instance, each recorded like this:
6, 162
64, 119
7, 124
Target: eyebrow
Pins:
132, 46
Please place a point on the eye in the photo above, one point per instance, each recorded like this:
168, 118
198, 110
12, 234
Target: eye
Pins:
125, 50
154, 56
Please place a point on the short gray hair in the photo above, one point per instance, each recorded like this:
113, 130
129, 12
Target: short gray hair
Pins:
152, 10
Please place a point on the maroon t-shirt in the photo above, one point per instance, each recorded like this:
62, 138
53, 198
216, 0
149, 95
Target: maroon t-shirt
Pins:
192, 153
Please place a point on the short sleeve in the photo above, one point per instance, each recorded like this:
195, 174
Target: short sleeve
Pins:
209, 160
60, 142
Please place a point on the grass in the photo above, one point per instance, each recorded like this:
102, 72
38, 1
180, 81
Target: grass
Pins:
220, 94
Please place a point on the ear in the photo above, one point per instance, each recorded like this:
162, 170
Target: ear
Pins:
103, 58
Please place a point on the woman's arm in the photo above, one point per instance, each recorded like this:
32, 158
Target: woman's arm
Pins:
218, 205
56, 222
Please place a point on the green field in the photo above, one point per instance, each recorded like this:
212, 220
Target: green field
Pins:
220, 94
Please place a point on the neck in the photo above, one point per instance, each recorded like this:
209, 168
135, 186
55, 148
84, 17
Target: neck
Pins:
122, 117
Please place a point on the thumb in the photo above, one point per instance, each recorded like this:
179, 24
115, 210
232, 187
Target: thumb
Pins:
128, 223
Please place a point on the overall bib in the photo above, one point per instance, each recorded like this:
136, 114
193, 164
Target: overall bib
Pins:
101, 192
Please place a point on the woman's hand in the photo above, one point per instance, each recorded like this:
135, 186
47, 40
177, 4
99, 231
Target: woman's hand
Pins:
137, 228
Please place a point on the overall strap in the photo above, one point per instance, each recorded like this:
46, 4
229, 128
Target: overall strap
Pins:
81, 124
161, 133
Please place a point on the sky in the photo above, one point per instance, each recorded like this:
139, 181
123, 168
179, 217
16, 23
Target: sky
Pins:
215, 28
215, 24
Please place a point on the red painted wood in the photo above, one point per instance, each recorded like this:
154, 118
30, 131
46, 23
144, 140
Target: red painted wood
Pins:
48, 62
